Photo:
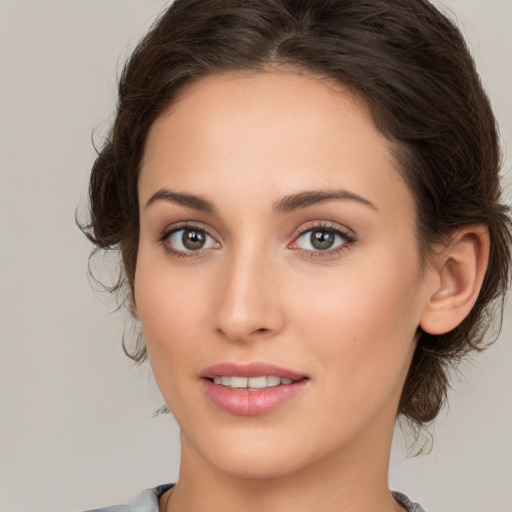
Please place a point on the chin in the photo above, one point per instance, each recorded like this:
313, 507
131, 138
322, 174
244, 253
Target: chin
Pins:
257, 467
259, 454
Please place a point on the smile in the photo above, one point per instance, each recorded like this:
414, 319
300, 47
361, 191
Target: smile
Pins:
252, 383
251, 389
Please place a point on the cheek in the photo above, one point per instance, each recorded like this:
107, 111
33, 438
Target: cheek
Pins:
170, 311
362, 324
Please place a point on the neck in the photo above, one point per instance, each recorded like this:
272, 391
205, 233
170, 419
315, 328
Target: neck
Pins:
351, 480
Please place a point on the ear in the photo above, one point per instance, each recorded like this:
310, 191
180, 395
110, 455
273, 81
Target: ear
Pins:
458, 272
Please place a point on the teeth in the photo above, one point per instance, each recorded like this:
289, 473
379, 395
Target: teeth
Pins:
256, 382
251, 382
239, 382
272, 380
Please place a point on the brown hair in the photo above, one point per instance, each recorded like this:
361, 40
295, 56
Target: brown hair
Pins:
404, 58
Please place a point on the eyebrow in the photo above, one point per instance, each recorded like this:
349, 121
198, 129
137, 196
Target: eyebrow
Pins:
188, 200
287, 204
312, 197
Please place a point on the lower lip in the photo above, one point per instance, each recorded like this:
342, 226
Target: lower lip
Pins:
252, 403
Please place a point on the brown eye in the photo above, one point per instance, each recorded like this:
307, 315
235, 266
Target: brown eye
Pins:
193, 240
322, 239
190, 239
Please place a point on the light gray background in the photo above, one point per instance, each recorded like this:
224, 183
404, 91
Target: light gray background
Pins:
75, 417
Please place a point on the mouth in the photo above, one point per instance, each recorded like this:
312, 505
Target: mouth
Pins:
252, 383
251, 389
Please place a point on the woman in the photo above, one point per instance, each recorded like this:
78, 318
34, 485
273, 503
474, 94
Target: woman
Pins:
306, 198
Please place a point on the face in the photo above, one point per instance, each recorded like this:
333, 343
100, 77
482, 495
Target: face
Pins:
278, 281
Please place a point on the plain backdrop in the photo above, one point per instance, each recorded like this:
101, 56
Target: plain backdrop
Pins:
76, 418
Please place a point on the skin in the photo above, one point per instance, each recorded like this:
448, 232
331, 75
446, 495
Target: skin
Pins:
257, 291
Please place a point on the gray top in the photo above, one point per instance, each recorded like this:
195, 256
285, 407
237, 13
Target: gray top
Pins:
407, 503
148, 502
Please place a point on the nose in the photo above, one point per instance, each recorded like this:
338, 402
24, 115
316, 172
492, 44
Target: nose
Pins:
249, 306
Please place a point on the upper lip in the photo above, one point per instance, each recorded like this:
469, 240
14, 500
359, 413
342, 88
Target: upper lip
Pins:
255, 369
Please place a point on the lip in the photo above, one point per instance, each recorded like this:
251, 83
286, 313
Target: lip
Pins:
255, 369
251, 403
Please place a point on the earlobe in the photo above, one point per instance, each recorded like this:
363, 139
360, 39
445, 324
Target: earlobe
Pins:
459, 273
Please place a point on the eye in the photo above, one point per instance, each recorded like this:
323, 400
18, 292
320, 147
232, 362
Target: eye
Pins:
188, 239
322, 239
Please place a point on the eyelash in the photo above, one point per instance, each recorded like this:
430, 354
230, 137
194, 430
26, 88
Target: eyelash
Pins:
164, 239
347, 238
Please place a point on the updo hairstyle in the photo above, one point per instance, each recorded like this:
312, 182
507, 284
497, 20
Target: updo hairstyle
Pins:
410, 65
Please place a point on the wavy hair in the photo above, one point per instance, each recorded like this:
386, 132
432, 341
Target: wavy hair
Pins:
411, 66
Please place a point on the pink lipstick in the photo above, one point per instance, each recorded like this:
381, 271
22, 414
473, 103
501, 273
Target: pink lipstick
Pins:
251, 389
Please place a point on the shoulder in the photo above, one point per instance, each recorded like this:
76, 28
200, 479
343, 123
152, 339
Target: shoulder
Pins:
407, 503
146, 502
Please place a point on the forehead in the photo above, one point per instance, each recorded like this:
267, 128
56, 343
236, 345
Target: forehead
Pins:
268, 132
296, 103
